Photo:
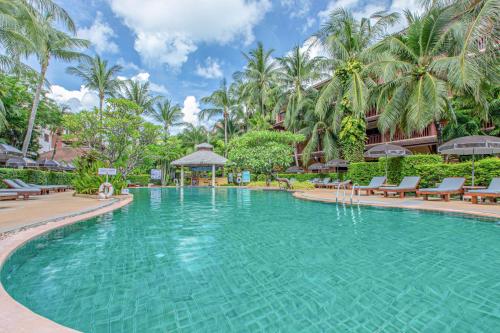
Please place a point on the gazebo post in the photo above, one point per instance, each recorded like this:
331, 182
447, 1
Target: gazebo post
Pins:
182, 176
213, 175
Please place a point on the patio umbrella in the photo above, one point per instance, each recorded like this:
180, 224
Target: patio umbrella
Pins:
49, 164
295, 169
337, 163
17, 162
471, 145
317, 167
386, 150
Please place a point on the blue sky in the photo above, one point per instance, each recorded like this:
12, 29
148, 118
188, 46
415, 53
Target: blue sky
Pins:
185, 47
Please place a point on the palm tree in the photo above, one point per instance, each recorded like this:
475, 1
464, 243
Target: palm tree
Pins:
138, 92
319, 128
258, 77
296, 74
97, 76
49, 43
417, 86
348, 42
222, 104
168, 114
193, 135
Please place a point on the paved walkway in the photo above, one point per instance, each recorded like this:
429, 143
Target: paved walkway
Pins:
454, 206
19, 214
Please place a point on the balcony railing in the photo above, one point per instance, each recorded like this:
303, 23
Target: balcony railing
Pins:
378, 138
372, 112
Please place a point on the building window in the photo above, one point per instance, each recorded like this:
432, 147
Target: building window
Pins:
46, 138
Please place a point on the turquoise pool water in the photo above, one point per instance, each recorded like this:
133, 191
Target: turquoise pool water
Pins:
226, 260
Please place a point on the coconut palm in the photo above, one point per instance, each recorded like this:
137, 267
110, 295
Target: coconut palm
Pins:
98, 76
49, 43
417, 85
348, 41
319, 128
297, 71
139, 92
221, 103
258, 77
193, 135
167, 114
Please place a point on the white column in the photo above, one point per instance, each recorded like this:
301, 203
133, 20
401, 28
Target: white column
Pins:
213, 175
182, 176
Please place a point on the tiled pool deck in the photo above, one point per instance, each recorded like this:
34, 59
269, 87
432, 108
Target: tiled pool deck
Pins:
22, 221
488, 210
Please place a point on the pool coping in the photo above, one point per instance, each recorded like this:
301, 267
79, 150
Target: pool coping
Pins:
15, 317
309, 196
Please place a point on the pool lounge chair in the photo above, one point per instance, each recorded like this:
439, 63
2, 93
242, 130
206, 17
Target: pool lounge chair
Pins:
8, 195
407, 185
313, 181
26, 192
375, 184
449, 186
323, 183
492, 192
44, 188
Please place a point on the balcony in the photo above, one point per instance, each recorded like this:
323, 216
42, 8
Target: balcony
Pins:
280, 118
427, 136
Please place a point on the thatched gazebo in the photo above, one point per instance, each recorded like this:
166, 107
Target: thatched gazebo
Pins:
202, 157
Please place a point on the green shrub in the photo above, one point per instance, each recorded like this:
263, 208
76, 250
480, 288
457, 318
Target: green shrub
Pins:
399, 167
87, 181
361, 173
302, 177
261, 178
39, 177
142, 180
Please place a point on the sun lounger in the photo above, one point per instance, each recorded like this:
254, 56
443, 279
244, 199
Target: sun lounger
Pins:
449, 186
19, 189
323, 183
375, 184
8, 195
25, 193
314, 180
44, 188
492, 192
408, 184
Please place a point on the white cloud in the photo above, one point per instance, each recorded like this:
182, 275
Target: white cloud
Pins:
310, 21
128, 65
297, 8
167, 31
211, 69
190, 110
315, 49
100, 34
76, 100
144, 77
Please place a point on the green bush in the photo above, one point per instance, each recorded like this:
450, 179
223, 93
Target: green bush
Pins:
142, 180
302, 177
399, 167
39, 177
87, 181
362, 172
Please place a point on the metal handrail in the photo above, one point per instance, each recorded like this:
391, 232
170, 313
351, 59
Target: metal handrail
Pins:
352, 192
343, 184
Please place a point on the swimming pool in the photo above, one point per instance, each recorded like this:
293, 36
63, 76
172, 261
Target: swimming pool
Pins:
206, 260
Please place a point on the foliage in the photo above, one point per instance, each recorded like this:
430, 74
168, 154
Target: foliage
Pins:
86, 179
362, 172
167, 114
399, 167
39, 177
352, 138
302, 177
263, 151
142, 180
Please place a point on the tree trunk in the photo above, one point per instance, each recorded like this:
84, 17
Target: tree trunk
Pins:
34, 108
101, 106
55, 147
225, 133
296, 154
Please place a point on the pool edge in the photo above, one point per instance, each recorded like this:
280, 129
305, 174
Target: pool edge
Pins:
15, 317
302, 195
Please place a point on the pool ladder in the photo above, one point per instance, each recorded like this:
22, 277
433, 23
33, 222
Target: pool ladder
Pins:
343, 185
352, 192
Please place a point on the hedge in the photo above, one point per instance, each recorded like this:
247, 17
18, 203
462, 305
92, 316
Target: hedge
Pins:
430, 168
302, 177
39, 177
142, 180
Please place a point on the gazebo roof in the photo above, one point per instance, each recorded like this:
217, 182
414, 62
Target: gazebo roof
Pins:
203, 156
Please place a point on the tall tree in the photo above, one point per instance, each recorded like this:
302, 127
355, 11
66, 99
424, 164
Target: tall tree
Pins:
139, 93
49, 43
221, 103
296, 73
167, 114
258, 77
98, 76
